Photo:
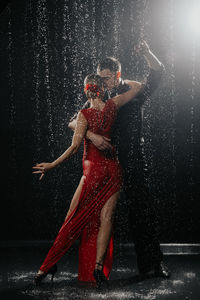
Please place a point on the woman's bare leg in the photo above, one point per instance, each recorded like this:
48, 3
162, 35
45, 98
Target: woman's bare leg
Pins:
74, 202
76, 196
106, 218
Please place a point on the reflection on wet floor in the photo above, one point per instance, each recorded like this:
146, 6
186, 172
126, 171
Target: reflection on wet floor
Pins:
19, 265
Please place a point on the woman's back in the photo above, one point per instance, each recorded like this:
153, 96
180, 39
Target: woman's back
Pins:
100, 122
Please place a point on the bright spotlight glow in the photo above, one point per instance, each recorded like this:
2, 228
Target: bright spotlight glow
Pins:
194, 20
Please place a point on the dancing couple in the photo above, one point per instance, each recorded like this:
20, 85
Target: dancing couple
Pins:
105, 162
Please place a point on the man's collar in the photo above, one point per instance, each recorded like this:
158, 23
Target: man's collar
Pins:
113, 90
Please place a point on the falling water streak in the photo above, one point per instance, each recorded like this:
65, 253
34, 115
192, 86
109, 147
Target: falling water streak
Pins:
193, 58
26, 49
191, 137
93, 37
144, 26
142, 20
67, 45
10, 67
141, 33
75, 54
12, 116
116, 26
66, 36
80, 54
103, 38
148, 111
173, 87
44, 32
36, 127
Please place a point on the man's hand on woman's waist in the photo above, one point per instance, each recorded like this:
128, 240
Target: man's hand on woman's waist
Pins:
99, 141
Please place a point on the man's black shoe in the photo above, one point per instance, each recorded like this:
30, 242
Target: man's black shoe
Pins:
158, 271
146, 275
162, 271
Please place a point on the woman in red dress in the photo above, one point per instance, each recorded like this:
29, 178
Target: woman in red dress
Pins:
86, 217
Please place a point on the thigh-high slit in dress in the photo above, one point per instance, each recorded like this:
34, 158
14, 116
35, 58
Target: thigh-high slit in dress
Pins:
102, 179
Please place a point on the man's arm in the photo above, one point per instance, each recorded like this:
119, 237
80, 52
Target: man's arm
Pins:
124, 98
151, 59
156, 70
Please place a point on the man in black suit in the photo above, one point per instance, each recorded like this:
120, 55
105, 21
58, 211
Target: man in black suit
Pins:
127, 136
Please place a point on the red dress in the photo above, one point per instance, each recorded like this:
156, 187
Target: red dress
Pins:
102, 179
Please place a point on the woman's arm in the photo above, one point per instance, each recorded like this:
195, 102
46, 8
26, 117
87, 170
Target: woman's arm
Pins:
124, 98
80, 130
72, 124
79, 133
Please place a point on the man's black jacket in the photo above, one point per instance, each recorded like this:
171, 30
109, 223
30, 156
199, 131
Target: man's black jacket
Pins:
127, 130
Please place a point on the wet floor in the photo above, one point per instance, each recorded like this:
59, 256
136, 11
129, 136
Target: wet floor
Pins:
18, 266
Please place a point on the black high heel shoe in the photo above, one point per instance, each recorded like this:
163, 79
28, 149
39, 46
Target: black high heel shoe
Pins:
39, 277
99, 276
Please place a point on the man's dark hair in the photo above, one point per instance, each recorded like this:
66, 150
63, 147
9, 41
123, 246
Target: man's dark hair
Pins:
110, 63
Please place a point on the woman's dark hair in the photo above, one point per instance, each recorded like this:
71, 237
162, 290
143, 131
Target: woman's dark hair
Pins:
110, 63
93, 86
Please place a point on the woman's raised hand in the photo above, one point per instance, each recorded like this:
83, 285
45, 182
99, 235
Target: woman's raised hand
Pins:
42, 168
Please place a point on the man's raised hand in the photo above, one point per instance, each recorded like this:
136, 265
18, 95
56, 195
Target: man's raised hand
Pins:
142, 48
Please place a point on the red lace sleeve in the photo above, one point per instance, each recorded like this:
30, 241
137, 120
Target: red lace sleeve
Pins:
85, 113
111, 107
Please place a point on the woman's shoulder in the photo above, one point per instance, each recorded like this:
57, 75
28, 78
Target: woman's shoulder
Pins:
110, 108
86, 112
